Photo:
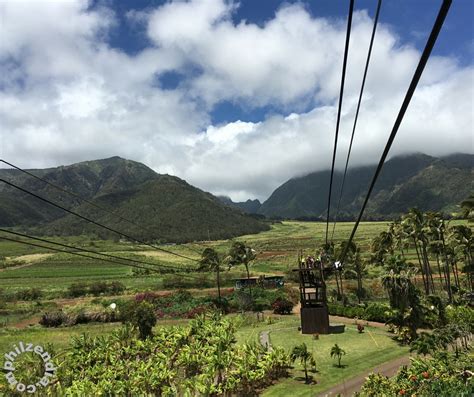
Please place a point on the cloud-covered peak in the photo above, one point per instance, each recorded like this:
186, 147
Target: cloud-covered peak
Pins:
67, 94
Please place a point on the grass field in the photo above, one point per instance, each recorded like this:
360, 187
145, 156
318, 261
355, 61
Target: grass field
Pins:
363, 351
277, 251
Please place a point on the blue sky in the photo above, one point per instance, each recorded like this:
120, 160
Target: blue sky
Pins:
411, 20
234, 97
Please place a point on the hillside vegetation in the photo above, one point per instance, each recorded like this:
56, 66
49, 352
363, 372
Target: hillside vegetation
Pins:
425, 182
166, 208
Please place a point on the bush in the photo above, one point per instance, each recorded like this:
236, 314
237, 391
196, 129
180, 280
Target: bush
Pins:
443, 375
372, 312
30, 294
143, 318
282, 306
54, 319
177, 281
77, 289
116, 287
98, 288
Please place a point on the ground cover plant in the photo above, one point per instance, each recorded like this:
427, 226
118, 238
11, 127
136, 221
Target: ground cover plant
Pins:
444, 375
201, 358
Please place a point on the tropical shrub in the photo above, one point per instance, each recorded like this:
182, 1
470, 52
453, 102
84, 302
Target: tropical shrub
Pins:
97, 288
282, 306
77, 289
199, 359
337, 352
142, 316
306, 358
443, 376
372, 312
54, 319
30, 294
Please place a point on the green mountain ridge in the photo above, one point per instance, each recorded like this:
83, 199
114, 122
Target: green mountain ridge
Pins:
417, 180
166, 207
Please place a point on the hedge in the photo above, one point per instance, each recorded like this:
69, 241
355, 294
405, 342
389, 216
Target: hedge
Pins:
372, 312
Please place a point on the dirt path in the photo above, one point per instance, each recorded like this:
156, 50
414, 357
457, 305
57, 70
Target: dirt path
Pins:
352, 385
346, 320
27, 322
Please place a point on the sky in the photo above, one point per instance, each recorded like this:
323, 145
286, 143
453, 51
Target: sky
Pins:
234, 97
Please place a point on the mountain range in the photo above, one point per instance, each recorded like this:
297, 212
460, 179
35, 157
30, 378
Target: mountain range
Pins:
417, 180
168, 209
165, 207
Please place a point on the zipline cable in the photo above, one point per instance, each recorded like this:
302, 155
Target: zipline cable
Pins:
92, 252
341, 94
78, 197
379, 4
75, 253
443, 12
96, 223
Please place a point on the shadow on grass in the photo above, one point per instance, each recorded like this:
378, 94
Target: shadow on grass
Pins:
311, 380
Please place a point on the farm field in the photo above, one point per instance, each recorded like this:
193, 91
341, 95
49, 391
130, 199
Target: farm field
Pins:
277, 251
52, 275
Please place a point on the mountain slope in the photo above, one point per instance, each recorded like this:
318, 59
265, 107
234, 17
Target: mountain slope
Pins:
166, 207
429, 183
249, 206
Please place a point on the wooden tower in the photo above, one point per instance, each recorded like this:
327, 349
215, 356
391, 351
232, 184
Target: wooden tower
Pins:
314, 309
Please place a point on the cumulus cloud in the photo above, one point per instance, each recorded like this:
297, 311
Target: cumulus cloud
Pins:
67, 95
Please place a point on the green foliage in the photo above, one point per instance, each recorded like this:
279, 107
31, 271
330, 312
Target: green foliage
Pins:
141, 315
371, 312
405, 182
282, 306
405, 301
97, 288
424, 344
301, 352
337, 352
201, 359
77, 289
443, 376
30, 294
53, 319
162, 205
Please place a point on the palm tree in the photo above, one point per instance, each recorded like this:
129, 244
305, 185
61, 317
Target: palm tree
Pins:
405, 298
461, 246
398, 237
468, 208
337, 352
381, 246
240, 254
301, 352
435, 227
355, 268
210, 261
414, 225
327, 259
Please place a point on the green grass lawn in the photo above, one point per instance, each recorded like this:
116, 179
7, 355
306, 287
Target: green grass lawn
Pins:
364, 351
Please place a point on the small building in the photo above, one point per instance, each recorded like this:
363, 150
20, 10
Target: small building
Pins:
269, 282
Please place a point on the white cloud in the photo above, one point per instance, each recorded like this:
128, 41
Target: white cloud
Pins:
66, 95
